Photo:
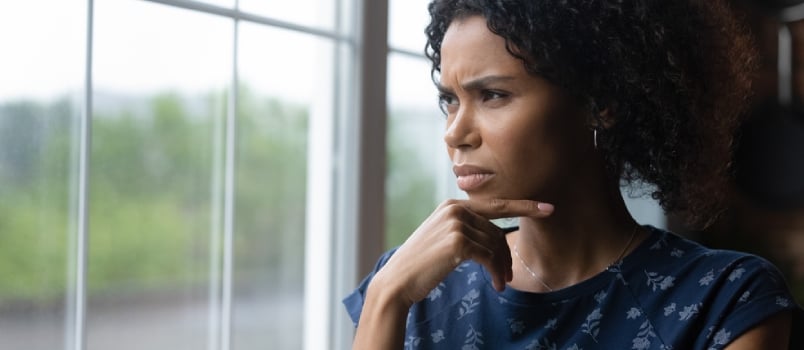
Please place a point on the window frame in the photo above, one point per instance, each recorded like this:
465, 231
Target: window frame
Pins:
346, 177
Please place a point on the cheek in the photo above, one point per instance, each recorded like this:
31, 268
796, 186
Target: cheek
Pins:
541, 147
536, 153
524, 149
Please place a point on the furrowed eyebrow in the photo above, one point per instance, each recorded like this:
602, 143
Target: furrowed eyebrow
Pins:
476, 84
482, 82
443, 89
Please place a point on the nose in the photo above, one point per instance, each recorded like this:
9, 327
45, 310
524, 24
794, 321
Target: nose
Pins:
462, 131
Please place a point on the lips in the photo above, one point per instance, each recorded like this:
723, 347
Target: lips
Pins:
471, 177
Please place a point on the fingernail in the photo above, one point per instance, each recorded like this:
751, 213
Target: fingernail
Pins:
545, 207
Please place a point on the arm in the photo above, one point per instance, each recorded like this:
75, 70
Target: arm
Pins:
382, 322
772, 334
456, 231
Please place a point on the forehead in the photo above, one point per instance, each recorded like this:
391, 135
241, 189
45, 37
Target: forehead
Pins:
469, 48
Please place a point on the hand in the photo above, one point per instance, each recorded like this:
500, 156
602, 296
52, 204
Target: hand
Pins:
458, 230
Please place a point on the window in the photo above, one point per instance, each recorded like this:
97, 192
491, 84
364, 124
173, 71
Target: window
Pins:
189, 134
207, 174
418, 175
153, 169
40, 107
418, 164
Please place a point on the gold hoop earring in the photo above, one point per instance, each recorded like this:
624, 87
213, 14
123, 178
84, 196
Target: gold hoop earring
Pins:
594, 134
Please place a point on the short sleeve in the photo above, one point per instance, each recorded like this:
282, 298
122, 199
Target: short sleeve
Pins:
354, 301
756, 291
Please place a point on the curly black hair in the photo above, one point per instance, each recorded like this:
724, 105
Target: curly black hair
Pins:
676, 75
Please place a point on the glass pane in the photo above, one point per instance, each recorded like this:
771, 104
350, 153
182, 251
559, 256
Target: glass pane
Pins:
221, 3
281, 88
40, 106
407, 20
313, 13
159, 106
418, 165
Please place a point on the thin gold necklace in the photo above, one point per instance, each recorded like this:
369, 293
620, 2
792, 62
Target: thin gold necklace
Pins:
543, 283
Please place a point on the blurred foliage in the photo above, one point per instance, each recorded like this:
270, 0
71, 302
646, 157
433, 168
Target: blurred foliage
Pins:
154, 165
410, 187
35, 167
156, 162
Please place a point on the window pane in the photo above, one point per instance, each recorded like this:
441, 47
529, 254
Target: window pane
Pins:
417, 161
406, 22
222, 3
313, 13
159, 106
40, 104
281, 89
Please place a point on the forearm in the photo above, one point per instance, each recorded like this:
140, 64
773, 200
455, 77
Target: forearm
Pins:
382, 321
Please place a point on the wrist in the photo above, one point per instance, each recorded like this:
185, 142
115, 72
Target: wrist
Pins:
388, 294
382, 320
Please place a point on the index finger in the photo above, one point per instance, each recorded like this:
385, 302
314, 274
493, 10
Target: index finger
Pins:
506, 208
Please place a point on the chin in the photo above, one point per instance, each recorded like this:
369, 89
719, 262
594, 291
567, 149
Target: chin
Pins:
480, 195
488, 195
510, 195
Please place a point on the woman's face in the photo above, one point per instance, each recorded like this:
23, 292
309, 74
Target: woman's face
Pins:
509, 134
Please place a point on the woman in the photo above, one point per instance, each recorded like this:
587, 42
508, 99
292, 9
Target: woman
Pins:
550, 104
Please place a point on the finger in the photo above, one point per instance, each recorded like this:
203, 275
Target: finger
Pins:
489, 249
482, 232
504, 264
497, 270
488, 235
496, 239
505, 208
460, 211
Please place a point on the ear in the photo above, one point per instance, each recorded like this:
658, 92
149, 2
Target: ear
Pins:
602, 112
606, 117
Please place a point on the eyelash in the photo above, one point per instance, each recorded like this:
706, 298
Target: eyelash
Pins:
492, 94
446, 99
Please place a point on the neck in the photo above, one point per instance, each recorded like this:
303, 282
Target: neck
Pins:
580, 239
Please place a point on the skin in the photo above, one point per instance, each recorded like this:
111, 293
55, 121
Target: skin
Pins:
522, 148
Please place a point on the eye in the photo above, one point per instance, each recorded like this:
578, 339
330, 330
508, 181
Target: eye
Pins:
447, 103
489, 95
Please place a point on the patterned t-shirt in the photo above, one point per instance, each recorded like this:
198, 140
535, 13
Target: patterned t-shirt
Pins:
670, 293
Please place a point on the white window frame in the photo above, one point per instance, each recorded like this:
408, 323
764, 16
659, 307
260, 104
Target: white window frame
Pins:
346, 177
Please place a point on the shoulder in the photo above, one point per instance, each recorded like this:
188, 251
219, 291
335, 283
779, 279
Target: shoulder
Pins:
671, 252
724, 292
689, 266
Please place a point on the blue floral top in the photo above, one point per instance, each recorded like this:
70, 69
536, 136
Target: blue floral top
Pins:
670, 293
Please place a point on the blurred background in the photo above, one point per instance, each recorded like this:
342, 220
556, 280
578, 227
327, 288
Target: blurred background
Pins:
218, 174
766, 211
